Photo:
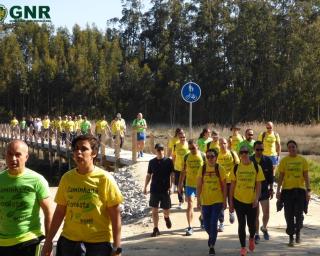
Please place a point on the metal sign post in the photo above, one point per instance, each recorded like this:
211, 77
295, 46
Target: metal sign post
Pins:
190, 93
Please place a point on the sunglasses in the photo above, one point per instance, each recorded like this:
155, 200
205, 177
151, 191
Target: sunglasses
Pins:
182, 137
259, 149
210, 156
160, 149
244, 152
250, 134
269, 128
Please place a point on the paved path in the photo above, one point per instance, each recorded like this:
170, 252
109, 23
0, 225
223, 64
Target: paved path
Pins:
137, 240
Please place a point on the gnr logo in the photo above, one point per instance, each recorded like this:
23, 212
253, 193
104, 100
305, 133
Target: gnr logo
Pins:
27, 13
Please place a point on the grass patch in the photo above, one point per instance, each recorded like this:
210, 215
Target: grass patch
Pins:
314, 174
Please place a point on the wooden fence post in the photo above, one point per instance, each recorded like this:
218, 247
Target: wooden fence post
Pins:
151, 143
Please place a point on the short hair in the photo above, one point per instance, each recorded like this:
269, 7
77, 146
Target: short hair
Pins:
93, 141
178, 130
192, 142
213, 151
293, 142
258, 142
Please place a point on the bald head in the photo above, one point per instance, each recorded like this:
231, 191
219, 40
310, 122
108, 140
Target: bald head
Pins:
269, 126
16, 156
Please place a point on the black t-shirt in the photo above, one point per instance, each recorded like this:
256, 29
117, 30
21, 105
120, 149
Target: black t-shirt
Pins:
160, 169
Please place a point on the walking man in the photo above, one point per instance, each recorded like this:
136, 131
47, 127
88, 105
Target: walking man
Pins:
266, 189
22, 193
160, 172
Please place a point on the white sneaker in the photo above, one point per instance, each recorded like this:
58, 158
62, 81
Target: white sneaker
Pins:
221, 227
180, 206
231, 217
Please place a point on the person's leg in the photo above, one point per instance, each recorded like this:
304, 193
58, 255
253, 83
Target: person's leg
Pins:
265, 206
240, 211
215, 212
176, 182
289, 211
206, 216
298, 211
189, 211
165, 204
98, 249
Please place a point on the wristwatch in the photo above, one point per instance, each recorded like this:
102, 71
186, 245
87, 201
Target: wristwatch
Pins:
118, 250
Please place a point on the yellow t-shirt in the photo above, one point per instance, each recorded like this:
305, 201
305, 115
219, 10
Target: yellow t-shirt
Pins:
293, 168
193, 165
211, 192
235, 140
64, 124
58, 125
46, 123
14, 122
215, 145
118, 125
246, 178
69, 126
172, 142
269, 143
180, 150
101, 126
87, 197
227, 162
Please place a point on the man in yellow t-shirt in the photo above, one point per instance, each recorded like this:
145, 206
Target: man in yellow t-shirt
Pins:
45, 127
295, 184
214, 144
271, 143
227, 159
193, 163
245, 193
14, 126
88, 201
179, 152
236, 138
70, 128
118, 125
102, 127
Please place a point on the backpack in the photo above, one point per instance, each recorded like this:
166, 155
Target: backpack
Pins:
235, 168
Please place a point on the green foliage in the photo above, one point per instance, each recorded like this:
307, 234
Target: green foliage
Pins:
314, 174
254, 60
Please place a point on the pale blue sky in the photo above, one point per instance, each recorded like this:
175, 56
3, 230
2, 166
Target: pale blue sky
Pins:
69, 12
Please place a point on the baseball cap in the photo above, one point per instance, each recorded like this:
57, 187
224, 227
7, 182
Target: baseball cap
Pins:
159, 146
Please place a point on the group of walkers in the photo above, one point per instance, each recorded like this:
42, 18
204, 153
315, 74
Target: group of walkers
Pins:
237, 173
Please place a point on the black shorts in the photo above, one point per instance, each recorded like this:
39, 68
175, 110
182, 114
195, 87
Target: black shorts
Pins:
264, 195
162, 198
28, 248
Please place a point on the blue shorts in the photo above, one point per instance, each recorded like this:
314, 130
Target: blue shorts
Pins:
274, 159
190, 191
141, 136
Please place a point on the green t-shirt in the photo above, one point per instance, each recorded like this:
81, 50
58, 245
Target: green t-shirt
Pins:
23, 124
248, 144
20, 198
85, 126
139, 122
202, 144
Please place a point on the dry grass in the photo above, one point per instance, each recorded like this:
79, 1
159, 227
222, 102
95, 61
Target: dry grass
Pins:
307, 136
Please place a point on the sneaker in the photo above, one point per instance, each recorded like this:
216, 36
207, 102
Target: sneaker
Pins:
243, 251
141, 153
168, 222
180, 206
212, 251
201, 222
155, 232
252, 245
298, 240
265, 233
256, 238
291, 243
231, 217
221, 227
189, 231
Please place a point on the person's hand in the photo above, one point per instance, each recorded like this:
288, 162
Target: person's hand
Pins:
198, 205
278, 195
271, 193
308, 196
145, 191
114, 254
47, 249
255, 203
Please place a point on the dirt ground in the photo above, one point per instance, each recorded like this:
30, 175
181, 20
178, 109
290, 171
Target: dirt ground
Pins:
137, 241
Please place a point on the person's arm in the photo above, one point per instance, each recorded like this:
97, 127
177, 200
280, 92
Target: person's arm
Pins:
115, 217
181, 178
57, 219
146, 183
258, 193
281, 176
224, 188
307, 184
199, 190
278, 145
45, 205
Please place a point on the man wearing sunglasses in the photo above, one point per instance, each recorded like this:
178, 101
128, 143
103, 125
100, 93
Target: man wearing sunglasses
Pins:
193, 163
266, 189
160, 172
248, 142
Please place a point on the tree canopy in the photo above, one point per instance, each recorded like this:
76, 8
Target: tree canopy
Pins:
254, 60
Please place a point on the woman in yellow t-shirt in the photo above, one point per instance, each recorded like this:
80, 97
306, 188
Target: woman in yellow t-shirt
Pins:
295, 183
211, 195
88, 201
245, 193
173, 141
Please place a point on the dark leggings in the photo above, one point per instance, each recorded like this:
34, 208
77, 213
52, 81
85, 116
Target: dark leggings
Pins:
245, 214
176, 182
294, 202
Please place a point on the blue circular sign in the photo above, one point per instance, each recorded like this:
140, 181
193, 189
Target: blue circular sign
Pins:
191, 92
